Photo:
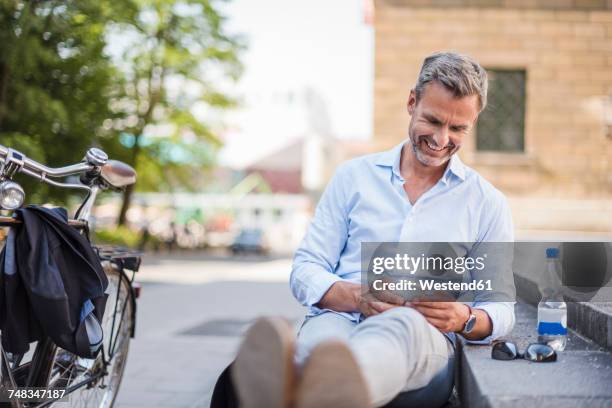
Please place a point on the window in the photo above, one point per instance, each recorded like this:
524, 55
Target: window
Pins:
501, 125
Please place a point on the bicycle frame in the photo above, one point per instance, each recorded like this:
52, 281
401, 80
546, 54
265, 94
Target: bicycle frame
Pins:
37, 372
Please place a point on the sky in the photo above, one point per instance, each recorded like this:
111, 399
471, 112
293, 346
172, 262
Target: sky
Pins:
309, 65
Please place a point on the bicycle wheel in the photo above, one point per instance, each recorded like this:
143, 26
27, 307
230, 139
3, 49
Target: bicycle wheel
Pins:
99, 381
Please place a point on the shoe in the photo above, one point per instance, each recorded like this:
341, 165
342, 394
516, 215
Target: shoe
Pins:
264, 371
332, 378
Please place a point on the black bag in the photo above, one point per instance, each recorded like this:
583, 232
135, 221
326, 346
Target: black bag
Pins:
51, 284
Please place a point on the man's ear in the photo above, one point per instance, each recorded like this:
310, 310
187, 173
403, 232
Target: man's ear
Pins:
411, 102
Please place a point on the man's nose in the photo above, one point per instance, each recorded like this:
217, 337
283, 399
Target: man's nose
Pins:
441, 137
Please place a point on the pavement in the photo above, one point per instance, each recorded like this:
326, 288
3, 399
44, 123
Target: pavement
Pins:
191, 313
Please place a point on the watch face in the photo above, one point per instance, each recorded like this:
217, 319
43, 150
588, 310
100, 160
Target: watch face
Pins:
470, 324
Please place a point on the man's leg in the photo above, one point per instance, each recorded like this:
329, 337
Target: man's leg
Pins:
330, 376
397, 351
346, 364
263, 371
317, 329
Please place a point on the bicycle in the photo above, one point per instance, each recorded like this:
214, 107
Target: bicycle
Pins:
83, 382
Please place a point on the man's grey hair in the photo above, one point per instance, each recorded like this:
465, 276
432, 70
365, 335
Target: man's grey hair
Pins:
458, 73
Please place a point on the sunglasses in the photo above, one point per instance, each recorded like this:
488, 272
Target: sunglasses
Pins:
540, 353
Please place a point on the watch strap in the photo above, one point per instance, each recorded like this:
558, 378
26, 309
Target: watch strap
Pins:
469, 320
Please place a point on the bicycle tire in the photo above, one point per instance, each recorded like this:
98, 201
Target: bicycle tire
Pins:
70, 370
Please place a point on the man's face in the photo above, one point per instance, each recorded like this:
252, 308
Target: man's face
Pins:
439, 122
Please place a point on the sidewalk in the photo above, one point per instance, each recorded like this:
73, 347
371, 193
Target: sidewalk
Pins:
191, 314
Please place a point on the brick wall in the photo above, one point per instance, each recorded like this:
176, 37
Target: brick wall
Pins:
567, 55
516, 4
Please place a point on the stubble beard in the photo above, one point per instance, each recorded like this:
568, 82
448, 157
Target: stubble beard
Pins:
424, 158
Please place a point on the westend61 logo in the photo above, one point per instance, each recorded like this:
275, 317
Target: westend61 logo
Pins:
488, 271
438, 270
411, 264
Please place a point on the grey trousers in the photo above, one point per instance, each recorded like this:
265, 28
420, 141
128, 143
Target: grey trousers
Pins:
398, 350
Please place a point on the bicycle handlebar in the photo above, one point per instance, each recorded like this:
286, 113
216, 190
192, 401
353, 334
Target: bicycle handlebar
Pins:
40, 171
99, 172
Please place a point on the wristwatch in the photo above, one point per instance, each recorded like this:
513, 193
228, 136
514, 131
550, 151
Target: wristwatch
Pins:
470, 323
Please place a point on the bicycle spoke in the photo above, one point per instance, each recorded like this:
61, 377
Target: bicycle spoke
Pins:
95, 388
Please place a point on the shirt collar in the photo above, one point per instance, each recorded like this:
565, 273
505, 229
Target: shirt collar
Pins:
391, 158
456, 167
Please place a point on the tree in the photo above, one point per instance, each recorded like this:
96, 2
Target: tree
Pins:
171, 54
54, 79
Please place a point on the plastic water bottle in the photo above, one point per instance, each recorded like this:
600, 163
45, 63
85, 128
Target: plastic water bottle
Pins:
552, 310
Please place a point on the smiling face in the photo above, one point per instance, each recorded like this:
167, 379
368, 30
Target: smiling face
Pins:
439, 122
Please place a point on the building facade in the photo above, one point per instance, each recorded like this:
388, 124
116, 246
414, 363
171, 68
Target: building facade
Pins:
545, 138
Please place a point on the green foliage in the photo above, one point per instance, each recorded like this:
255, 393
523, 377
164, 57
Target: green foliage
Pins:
171, 56
123, 74
125, 237
54, 79
120, 236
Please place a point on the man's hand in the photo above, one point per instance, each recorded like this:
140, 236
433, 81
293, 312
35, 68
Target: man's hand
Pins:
369, 305
341, 297
347, 297
446, 316
452, 316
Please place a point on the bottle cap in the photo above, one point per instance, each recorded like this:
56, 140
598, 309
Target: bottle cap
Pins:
552, 252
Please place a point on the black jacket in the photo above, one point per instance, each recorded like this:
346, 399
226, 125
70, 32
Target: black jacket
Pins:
51, 283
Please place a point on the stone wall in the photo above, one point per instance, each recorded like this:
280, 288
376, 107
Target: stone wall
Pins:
565, 47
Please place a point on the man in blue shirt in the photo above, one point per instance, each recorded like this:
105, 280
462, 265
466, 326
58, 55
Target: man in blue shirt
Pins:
355, 350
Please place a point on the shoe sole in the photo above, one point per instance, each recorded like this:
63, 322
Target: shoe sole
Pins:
264, 372
332, 378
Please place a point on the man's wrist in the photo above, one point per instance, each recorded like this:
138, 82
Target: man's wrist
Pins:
342, 296
356, 296
483, 326
469, 322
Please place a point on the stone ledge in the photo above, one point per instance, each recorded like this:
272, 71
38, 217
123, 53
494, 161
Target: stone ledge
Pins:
581, 376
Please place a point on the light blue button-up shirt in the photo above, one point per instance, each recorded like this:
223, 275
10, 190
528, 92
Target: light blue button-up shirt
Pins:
365, 201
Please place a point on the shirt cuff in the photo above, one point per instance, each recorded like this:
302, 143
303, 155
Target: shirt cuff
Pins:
502, 320
311, 293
